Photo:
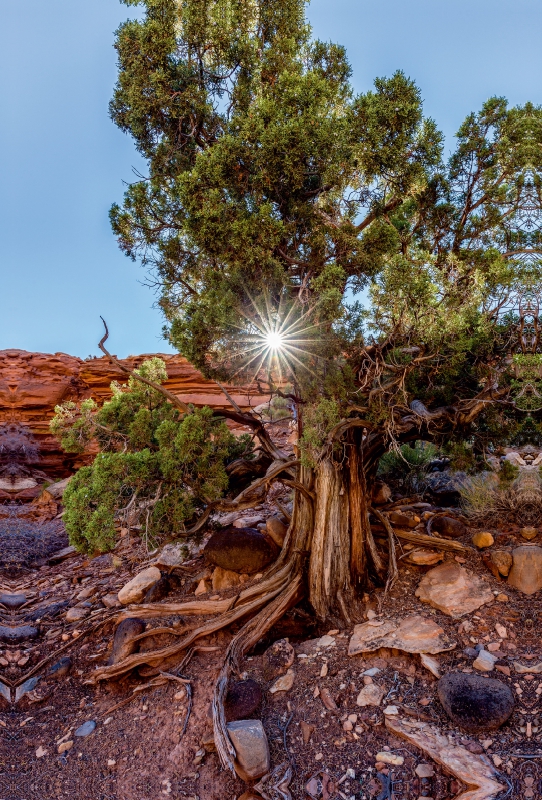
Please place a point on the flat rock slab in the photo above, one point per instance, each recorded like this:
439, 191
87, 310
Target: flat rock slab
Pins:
413, 634
453, 590
12, 601
476, 771
475, 703
20, 634
526, 572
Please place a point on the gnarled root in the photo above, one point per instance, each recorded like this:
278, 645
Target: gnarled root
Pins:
247, 637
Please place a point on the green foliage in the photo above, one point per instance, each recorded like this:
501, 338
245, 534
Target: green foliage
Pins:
461, 455
508, 473
408, 466
156, 469
318, 421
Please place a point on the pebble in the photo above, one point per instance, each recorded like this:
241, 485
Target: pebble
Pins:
370, 695
485, 661
502, 598
391, 711
390, 758
482, 539
284, 683
424, 770
86, 728
65, 746
371, 672
40, 752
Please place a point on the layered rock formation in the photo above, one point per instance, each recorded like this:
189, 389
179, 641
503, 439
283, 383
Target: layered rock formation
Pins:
32, 384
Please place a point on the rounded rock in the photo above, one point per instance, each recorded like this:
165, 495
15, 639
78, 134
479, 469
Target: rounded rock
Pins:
243, 700
86, 728
243, 550
475, 703
449, 527
482, 539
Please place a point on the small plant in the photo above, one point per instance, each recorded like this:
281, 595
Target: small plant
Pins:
408, 466
508, 474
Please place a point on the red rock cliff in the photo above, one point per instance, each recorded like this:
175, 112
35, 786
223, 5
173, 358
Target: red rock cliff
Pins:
32, 384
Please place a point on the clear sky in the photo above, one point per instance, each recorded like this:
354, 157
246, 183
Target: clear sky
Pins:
63, 162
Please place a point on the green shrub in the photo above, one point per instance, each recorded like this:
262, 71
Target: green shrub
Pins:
156, 469
408, 466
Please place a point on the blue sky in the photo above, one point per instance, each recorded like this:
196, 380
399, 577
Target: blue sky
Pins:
63, 162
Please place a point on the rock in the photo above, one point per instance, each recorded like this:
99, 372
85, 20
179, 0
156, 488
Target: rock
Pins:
453, 590
60, 669
123, 642
240, 549
391, 711
225, 579
135, 590
389, 758
526, 572
65, 746
283, 683
171, 556
243, 700
22, 633
431, 664
12, 601
203, 587
502, 560
40, 752
400, 520
5, 692
111, 601
248, 522
445, 486
56, 490
85, 729
532, 669
26, 687
62, 555
251, 747
381, 493
448, 526
485, 662
413, 634
475, 771
277, 659
326, 641
482, 539
424, 770
475, 703
158, 591
422, 557
502, 598
370, 695
76, 614
86, 593
529, 533
277, 530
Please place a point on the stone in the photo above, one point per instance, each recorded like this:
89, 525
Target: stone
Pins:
158, 590
389, 758
76, 614
21, 633
111, 601
485, 662
12, 601
40, 752
85, 729
242, 700
57, 489
371, 695
60, 669
448, 527
134, 591
86, 593
474, 771
277, 530
413, 634
482, 539
532, 669
277, 659
453, 590
249, 739
445, 487
381, 493
123, 642
171, 556
203, 587
400, 520
502, 598
529, 533
431, 664
248, 522
225, 579
391, 711
424, 770
28, 686
526, 572
422, 557
502, 560
283, 683
65, 746
475, 703
240, 550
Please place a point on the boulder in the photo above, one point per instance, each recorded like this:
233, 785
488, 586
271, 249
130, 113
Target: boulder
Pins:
277, 530
244, 550
502, 561
445, 486
453, 590
482, 539
277, 659
171, 556
134, 591
251, 748
526, 572
243, 700
400, 520
449, 527
56, 490
123, 642
413, 634
475, 703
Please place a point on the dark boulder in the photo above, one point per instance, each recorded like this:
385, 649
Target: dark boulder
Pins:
12, 601
123, 643
448, 527
19, 634
243, 700
445, 486
475, 703
243, 550
157, 592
